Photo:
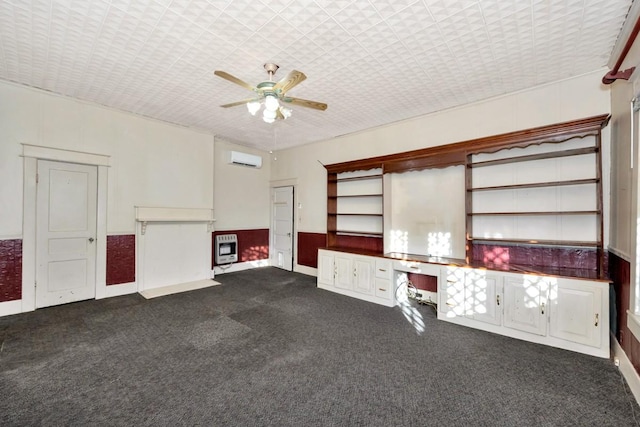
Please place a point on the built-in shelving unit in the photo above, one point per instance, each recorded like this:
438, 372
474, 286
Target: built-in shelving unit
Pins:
547, 194
535, 188
354, 204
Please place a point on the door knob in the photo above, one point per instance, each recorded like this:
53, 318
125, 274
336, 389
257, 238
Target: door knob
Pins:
91, 239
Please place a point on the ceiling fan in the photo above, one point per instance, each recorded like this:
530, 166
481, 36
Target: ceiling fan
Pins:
271, 94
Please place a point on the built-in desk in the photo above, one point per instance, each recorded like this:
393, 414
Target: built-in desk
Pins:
563, 308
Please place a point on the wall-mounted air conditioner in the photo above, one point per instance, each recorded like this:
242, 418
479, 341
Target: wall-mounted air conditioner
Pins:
245, 159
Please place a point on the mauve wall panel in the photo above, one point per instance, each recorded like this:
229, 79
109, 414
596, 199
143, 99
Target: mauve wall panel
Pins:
576, 258
121, 259
424, 282
10, 270
372, 244
308, 245
620, 273
253, 245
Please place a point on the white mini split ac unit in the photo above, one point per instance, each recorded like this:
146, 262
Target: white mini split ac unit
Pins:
245, 159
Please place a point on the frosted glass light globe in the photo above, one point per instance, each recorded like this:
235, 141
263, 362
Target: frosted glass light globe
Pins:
271, 103
253, 107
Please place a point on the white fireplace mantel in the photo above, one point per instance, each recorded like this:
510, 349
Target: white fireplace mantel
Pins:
145, 214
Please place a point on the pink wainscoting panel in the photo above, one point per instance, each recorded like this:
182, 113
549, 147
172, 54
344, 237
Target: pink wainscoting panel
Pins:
253, 245
121, 259
10, 270
308, 245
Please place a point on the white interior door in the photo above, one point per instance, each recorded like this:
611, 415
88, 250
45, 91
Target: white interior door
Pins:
282, 228
65, 233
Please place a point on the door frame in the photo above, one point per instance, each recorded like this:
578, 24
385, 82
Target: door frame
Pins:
294, 219
31, 155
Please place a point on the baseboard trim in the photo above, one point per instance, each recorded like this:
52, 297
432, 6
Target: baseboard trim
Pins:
9, 308
118, 290
240, 266
626, 368
309, 271
178, 288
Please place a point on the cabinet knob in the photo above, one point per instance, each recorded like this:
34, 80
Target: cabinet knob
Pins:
542, 308
382, 289
597, 319
498, 299
382, 269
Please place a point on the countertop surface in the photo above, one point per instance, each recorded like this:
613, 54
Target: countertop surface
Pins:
572, 273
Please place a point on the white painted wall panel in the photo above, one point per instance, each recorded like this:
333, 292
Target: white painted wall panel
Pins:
152, 163
242, 193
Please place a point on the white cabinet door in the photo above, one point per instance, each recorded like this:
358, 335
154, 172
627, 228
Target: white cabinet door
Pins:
484, 296
363, 274
326, 269
576, 312
525, 299
344, 271
470, 293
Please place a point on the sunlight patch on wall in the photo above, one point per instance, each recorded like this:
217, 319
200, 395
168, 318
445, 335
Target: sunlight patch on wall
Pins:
497, 256
399, 241
439, 244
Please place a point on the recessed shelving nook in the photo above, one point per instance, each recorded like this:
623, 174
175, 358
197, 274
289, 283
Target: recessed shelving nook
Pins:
510, 228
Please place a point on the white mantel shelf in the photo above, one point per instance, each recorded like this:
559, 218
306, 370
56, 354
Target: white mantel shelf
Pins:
145, 214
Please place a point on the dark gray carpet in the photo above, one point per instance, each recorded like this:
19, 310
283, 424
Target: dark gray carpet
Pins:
269, 348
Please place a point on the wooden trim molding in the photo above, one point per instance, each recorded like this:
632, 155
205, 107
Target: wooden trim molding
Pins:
456, 153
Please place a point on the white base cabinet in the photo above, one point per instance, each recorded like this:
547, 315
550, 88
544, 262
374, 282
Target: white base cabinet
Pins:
567, 313
363, 277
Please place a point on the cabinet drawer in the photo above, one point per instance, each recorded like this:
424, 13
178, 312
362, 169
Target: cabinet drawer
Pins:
383, 268
383, 288
416, 267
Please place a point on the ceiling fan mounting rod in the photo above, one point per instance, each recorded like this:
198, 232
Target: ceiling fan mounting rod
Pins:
271, 69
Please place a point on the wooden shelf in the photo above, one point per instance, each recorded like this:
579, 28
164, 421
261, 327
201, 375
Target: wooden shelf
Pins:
356, 214
590, 244
358, 233
358, 178
537, 185
355, 195
541, 156
533, 213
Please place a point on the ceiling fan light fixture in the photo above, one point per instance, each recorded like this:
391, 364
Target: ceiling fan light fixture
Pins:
271, 103
286, 112
270, 93
268, 114
253, 107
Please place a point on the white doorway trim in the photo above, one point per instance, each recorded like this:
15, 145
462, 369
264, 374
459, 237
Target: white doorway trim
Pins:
31, 155
291, 182
278, 228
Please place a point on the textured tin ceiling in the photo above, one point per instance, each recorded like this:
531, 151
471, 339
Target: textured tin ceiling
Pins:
372, 61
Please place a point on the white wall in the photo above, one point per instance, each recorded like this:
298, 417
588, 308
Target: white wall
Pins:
241, 197
565, 100
152, 163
